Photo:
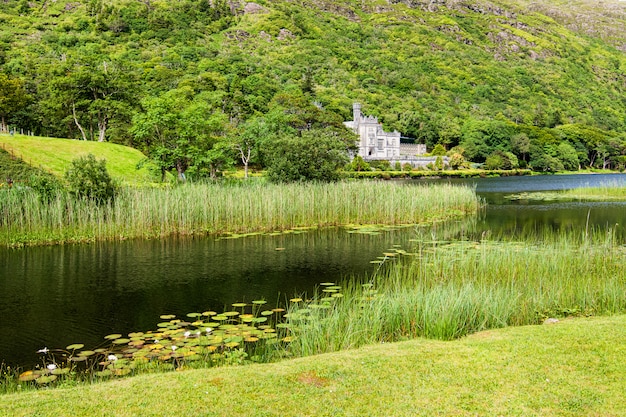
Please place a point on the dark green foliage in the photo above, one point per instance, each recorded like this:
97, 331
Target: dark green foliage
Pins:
317, 155
14, 168
88, 178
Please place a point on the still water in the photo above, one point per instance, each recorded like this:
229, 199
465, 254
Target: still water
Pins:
56, 296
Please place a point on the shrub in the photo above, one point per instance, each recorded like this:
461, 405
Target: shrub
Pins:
89, 178
315, 156
358, 164
439, 163
438, 150
46, 186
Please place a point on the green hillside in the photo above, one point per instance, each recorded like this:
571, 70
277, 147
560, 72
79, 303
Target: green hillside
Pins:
54, 156
544, 80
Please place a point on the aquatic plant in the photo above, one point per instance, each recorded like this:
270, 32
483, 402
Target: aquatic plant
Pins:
199, 209
248, 333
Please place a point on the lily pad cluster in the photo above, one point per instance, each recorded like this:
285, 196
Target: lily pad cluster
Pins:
248, 332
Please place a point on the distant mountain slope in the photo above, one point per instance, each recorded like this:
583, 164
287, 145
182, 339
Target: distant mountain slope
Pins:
432, 69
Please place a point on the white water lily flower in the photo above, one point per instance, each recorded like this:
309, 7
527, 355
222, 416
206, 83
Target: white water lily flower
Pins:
174, 347
51, 367
44, 350
187, 334
208, 330
112, 358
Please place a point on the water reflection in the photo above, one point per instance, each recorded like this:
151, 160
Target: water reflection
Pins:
55, 296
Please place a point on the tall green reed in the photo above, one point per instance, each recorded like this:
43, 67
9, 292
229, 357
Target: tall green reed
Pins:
448, 290
214, 208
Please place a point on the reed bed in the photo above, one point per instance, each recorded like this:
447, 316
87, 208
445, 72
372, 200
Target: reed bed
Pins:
448, 290
225, 208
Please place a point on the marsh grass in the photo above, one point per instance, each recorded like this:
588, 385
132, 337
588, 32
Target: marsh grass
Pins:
193, 209
606, 192
448, 290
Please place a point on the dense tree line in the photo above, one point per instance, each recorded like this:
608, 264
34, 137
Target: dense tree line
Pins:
199, 85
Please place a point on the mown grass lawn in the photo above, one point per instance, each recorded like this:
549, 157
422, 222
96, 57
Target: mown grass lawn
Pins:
55, 155
576, 367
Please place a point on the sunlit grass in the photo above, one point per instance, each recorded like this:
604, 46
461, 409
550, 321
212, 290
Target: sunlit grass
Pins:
199, 209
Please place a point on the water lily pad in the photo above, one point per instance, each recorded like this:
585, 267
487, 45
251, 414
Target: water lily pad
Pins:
28, 376
239, 304
113, 336
79, 358
230, 313
337, 295
75, 346
46, 379
296, 300
209, 313
251, 339
259, 302
231, 344
193, 314
60, 371
267, 312
325, 284
120, 341
167, 316
278, 310
87, 353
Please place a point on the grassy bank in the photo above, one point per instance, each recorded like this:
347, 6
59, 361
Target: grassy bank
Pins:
607, 192
448, 290
55, 155
571, 368
236, 208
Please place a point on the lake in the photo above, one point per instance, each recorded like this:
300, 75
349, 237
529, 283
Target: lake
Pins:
58, 295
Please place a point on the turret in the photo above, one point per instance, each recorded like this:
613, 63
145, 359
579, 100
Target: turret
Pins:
356, 112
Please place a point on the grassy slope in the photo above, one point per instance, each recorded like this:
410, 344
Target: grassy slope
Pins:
55, 155
572, 368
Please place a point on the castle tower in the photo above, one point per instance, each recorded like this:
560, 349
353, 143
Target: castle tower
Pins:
356, 112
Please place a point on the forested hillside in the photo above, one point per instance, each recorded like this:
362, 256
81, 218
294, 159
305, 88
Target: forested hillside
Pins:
196, 84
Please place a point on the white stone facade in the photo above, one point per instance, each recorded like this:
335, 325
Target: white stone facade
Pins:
374, 142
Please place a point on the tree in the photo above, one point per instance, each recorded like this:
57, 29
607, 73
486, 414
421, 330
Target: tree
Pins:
13, 97
317, 155
177, 129
255, 130
568, 156
520, 143
92, 91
